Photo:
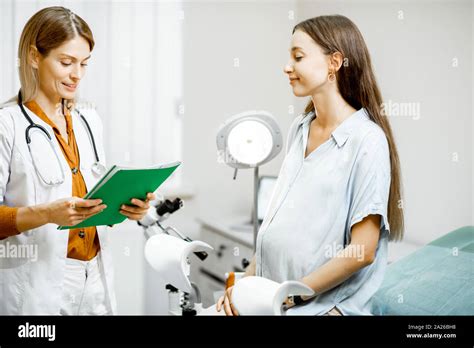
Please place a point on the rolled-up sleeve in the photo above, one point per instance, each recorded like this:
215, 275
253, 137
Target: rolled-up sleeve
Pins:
8, 222
7, 214
371, 185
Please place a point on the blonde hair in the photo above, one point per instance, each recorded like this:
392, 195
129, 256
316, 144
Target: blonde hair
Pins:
48, 29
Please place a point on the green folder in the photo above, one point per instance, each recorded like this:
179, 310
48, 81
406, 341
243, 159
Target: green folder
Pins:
118, 186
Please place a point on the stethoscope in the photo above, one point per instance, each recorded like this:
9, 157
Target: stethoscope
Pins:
97, 168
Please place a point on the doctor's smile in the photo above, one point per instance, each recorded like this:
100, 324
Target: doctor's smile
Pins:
70, 87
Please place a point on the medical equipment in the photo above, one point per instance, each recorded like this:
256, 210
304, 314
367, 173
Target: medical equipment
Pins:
44, 166
249, 140
261, 296
169, 256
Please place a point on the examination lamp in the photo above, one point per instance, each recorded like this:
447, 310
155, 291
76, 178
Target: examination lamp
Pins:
248, 140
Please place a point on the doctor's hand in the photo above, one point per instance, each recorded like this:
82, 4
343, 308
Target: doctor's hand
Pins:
74, 210
138, 209
226, 301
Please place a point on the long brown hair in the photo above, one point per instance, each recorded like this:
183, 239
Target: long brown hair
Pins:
357, 84
48, 29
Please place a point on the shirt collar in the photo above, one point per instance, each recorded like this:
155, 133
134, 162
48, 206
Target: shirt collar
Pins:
344, 130
34, 107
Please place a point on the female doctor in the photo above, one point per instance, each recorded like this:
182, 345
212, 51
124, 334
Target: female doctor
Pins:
51, 154
337, 198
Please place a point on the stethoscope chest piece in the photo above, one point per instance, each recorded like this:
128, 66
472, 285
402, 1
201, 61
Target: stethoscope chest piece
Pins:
98, 169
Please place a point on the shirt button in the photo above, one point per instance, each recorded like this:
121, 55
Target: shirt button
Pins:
81, 234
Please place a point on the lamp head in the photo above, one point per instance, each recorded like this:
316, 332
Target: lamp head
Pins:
249, 139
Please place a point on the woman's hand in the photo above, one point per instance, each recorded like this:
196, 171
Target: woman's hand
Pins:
226, 301
63, 212
139, 208
74, 210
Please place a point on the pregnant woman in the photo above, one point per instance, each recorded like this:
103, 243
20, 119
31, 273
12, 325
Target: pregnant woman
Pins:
337, 200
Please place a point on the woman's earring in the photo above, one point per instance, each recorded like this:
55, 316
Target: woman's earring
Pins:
331, 76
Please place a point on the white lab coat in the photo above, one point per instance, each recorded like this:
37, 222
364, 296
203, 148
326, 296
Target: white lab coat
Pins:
34, 285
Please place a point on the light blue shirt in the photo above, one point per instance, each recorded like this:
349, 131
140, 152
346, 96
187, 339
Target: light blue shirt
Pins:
315, 203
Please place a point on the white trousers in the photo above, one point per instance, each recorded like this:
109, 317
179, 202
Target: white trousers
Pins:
84, 291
